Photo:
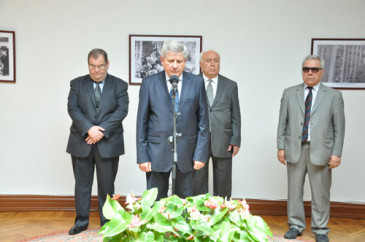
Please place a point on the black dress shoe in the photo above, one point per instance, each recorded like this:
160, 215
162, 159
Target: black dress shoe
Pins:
76, 229
292, 233
322, 238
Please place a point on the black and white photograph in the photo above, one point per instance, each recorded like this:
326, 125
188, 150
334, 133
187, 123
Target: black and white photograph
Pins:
145, 55
7, 56
344, 62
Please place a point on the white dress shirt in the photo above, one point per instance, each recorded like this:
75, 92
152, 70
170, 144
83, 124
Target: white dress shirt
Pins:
214, 84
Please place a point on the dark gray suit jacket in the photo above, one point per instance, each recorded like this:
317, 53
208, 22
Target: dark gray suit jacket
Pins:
155, 123
112, 110
225, 118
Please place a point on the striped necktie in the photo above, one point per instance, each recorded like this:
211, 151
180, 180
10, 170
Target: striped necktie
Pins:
308, 106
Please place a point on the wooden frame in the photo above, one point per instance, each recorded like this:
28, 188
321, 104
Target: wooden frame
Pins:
344, 61
145, 53
7, 56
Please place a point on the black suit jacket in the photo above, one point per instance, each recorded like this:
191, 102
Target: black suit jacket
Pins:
112, 110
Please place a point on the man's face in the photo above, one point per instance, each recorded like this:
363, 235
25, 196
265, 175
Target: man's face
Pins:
98, 69
173, 63
210, 64
312, 77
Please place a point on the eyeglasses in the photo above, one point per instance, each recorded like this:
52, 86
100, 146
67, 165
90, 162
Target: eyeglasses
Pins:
100, 67
313, 69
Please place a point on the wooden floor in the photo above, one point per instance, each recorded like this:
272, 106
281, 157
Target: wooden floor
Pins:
15, 226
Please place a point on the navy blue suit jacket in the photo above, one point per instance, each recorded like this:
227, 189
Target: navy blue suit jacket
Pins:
155, 123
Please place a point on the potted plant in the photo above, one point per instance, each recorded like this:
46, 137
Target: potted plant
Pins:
198, 218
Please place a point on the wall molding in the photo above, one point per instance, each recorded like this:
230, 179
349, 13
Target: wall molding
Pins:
14, 203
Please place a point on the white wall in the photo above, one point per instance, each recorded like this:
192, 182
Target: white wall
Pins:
262, 44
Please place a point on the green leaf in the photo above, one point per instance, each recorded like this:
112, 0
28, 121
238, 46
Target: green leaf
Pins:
260, 226
149, 212
174, 206
198, 201
235, 217
203, 227
116, 238
146, 237
224, 235
218, 216
117, 224
161, 224
111, 207
149, 197
181, 225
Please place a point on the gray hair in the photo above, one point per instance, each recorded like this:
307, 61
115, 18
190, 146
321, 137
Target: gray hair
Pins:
213, 50
95, 53
314, 57
174, 46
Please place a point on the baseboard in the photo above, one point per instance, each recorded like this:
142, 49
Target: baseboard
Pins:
12, 203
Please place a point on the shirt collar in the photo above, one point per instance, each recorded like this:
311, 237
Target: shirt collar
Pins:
214, 79
168, 78
316, 87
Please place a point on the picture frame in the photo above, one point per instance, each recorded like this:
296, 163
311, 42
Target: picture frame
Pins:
344, 61
145, 53
7, 56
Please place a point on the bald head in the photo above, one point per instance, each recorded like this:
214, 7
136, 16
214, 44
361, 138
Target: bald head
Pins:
210, 63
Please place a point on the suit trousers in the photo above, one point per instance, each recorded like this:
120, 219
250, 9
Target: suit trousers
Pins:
222, 178
320, 183
183, 183
106, 171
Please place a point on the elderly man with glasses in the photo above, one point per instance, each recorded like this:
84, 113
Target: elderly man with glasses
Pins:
309, 140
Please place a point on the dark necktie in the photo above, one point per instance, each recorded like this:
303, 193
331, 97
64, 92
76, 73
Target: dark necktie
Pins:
97, 94
176, 99
308, 105
210, 93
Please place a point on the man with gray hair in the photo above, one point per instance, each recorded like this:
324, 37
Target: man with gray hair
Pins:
155, 123
310, 137
225, 127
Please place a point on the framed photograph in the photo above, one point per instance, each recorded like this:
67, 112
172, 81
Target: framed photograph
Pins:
145, 53
7, 56
344, 61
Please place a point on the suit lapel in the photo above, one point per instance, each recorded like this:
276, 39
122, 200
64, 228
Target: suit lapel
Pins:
185, 89
322, 91
89, 84
162, 87
300, 97
107, 88
220, 88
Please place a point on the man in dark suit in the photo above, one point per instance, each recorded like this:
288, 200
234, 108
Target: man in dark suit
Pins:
225, 127
97, 105
310, 137
155, 124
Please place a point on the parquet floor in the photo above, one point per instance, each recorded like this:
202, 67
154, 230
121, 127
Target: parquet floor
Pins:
15, 226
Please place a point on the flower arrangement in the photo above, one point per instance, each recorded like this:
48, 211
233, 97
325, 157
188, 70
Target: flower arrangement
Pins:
198, 218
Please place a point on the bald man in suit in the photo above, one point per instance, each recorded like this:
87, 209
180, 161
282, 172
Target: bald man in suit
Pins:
225, 127
310, 138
